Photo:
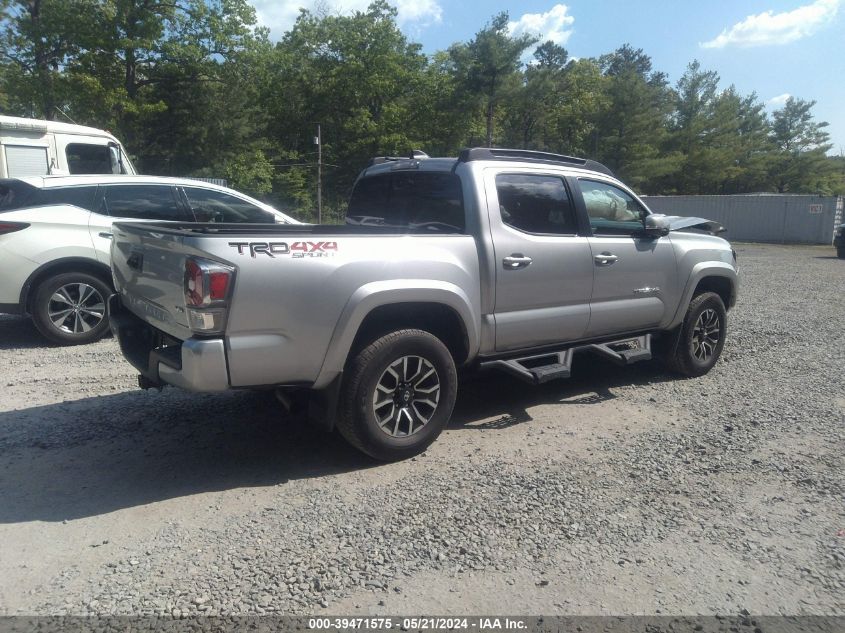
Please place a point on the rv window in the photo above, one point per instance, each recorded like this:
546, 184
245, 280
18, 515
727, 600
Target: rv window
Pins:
24, 160
83, 158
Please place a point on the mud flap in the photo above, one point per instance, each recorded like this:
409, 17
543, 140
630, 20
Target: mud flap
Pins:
322, 404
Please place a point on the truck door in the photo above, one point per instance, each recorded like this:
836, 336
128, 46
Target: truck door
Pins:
544, 268
633, 274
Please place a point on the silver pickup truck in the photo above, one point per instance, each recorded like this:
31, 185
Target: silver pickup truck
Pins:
499, 259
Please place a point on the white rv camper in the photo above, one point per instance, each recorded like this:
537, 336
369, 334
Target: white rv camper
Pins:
31, 147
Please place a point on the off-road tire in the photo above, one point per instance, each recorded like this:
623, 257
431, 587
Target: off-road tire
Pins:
679, 354
41, 302
357, 421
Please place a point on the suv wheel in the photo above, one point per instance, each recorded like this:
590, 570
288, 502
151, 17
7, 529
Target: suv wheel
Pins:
398, 395
697, 344
840, 252
70, 308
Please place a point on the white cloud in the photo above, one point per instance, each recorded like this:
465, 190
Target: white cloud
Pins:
777, 28
279, 15
420, 12
551, 25
778, 101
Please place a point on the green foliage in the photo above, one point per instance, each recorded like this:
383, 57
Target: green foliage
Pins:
196, 87
484, 66
633, 127
250, 171
801, 144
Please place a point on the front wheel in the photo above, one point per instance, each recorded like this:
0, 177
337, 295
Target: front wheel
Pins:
70, 308
398, 395
698, 343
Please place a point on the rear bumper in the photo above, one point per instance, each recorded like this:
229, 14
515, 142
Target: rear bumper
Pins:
193, 364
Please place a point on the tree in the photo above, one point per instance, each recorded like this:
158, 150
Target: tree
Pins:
533, 95
694, 129
633, 126
360, 78
572, 126
195, 87
484, 64
800, 163
36, 41
741, 129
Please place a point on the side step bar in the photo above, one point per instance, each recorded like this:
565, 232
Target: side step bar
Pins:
545, 367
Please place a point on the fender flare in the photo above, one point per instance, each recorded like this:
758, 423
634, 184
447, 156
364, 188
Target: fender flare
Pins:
395, 291
701, 271
62, 262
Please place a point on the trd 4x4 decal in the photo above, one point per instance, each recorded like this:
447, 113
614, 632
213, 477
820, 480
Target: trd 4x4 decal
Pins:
296, 250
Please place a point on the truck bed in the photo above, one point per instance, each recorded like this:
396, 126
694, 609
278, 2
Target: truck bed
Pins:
296, 288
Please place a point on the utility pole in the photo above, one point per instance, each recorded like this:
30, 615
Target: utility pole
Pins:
318, 141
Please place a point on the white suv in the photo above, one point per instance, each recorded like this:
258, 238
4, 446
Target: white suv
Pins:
55, 236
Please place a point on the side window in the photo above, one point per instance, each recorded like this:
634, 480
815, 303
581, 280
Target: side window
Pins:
82, 197
611, 210
215, 206
142, 202
535, 204
15, 194
430, 201
23, 160
84, 158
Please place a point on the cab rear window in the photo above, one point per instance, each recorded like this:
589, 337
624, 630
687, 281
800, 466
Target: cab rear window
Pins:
423, 201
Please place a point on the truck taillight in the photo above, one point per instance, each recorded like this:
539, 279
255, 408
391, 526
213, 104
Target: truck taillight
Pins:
207, 286
11, 227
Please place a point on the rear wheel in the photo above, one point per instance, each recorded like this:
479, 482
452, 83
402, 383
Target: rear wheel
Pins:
696, 346
70, 308
398, 395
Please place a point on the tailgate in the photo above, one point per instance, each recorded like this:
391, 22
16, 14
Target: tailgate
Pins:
148, 268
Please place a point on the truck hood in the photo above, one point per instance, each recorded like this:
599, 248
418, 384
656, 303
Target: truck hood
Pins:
678, 223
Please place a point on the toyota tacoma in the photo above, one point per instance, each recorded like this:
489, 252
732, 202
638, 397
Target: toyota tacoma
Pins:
499, 259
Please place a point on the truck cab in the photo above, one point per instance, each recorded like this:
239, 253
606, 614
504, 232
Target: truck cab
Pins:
32, 147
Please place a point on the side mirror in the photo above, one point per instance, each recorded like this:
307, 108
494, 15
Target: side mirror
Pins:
655, 226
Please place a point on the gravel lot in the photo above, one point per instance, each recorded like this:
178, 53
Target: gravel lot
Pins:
618, 491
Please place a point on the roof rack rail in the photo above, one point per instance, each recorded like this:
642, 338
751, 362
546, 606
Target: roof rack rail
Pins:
495, 153
415, 154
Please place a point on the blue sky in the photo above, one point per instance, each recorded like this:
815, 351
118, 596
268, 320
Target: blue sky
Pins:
775, 48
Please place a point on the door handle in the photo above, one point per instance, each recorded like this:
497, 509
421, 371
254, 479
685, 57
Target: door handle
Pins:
106, 235
517, 260
605, 259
